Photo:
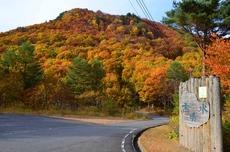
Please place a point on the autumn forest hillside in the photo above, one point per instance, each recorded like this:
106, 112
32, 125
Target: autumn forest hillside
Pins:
92, 59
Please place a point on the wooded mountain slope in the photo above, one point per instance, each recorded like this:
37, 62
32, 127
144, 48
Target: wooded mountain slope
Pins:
135, 55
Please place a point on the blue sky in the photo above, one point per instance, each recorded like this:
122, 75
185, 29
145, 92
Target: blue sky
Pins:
16, 13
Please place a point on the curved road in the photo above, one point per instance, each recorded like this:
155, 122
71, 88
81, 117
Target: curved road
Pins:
20, 133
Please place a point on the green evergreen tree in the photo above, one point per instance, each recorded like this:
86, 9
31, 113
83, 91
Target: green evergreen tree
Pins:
78, 76
83, 76
33, 74
97, 73
200, 18
7, 60
30, 68
176, 72
26, 53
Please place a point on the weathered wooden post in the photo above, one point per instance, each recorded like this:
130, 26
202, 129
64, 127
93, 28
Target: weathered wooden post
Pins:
200, 128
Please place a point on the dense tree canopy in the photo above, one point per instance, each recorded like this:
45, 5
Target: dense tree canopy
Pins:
201, 18
87, 58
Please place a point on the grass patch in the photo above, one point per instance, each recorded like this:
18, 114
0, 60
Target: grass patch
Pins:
226, 136
156, 140
226, 124
174, 127
91, 111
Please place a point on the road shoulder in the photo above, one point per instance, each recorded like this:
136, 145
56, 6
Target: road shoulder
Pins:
156, 140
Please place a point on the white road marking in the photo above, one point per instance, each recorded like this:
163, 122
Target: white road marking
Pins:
123, 140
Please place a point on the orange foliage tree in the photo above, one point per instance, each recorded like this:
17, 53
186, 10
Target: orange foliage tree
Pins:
218, 60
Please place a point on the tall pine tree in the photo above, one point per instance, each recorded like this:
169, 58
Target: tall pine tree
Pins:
201, 18
30, 68
83, 76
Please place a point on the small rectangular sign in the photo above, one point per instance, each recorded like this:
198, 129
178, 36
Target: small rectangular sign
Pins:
203, 92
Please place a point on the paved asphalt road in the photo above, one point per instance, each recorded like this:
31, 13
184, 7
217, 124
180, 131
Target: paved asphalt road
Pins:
20, 133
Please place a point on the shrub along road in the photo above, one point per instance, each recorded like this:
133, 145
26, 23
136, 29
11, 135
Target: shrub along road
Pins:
21, 133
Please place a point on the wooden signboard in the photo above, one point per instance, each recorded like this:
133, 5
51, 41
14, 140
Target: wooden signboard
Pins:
194, 113
200, 127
